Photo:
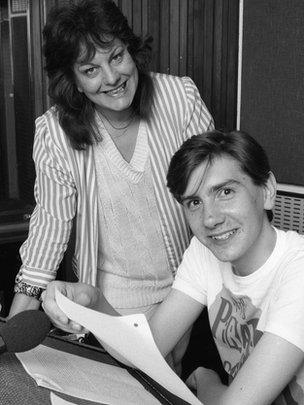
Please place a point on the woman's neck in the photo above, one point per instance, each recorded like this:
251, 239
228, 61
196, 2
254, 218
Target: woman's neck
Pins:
117, 118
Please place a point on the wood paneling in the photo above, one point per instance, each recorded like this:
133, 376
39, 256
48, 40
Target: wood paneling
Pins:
197, 38
37, 20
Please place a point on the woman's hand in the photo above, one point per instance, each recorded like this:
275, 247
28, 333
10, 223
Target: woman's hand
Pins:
80, 293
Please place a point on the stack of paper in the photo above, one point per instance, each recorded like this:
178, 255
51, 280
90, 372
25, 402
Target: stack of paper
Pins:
129, 340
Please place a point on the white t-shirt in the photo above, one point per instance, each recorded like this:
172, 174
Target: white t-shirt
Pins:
241, 308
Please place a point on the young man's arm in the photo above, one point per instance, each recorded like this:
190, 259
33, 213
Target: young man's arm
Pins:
270, 367
171, 320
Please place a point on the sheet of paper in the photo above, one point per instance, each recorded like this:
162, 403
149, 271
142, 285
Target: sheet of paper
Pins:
84, 378
128, 339
55, 400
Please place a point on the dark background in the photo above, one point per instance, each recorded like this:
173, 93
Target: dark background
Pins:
272, 107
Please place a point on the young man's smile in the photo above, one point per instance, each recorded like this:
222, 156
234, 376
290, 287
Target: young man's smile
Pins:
223, 236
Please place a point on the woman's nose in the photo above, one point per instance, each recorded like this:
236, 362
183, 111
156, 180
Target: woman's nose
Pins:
110, 76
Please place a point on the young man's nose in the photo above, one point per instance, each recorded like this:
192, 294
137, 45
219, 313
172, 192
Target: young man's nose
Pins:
212, 215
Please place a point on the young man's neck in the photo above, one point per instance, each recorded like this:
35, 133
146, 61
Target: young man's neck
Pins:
258, 254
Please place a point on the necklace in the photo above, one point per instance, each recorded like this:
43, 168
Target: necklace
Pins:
124, 126
123, 129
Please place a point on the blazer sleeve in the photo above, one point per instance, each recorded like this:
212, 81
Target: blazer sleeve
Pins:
197, 118
51, 220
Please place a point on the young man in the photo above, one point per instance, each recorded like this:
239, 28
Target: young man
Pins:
249, 275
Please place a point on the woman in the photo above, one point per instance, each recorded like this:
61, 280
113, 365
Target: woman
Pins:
101, 155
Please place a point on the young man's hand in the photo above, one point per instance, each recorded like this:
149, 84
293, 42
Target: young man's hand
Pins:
207, 384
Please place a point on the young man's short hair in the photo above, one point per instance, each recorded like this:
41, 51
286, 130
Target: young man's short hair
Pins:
212, 144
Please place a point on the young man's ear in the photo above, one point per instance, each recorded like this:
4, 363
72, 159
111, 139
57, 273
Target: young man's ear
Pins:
270, 191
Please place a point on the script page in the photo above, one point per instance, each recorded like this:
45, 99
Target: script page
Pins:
55, 400
84, 378
128, 339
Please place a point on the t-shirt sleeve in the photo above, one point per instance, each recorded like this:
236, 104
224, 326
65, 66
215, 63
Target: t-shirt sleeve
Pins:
286, 312
190, 278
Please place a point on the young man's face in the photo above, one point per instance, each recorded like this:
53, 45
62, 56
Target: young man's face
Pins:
226, 212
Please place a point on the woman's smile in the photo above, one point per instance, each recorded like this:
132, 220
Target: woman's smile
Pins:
118, 91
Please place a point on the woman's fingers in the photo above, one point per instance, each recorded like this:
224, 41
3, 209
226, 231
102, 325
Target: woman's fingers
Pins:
58, 318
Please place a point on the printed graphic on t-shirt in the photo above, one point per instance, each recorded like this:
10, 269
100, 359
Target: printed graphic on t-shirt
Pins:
234, 322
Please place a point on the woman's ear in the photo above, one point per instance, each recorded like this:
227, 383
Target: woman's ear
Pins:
270, 191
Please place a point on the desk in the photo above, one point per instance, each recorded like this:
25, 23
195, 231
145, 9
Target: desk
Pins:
18, 388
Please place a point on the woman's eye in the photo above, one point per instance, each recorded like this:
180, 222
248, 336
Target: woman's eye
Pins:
117, 57
90, 71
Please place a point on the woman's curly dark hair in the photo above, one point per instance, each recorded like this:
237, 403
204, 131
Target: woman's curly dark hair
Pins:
89, 24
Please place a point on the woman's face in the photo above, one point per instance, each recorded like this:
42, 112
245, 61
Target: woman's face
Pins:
110, 79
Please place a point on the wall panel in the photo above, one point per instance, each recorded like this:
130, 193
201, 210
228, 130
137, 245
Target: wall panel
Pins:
197, 38
272, 85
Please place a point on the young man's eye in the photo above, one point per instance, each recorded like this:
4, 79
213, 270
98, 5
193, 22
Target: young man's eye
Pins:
193, 205
226, 192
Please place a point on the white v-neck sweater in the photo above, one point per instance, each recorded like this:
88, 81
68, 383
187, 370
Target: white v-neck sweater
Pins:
133, 266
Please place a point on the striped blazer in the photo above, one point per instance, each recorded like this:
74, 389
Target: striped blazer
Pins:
65, 186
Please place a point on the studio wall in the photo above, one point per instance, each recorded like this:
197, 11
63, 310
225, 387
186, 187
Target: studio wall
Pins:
272, 83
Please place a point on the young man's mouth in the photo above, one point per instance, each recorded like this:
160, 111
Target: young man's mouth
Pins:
224, 235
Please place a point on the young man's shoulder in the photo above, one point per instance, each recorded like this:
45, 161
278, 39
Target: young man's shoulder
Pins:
291, 240
198, 250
